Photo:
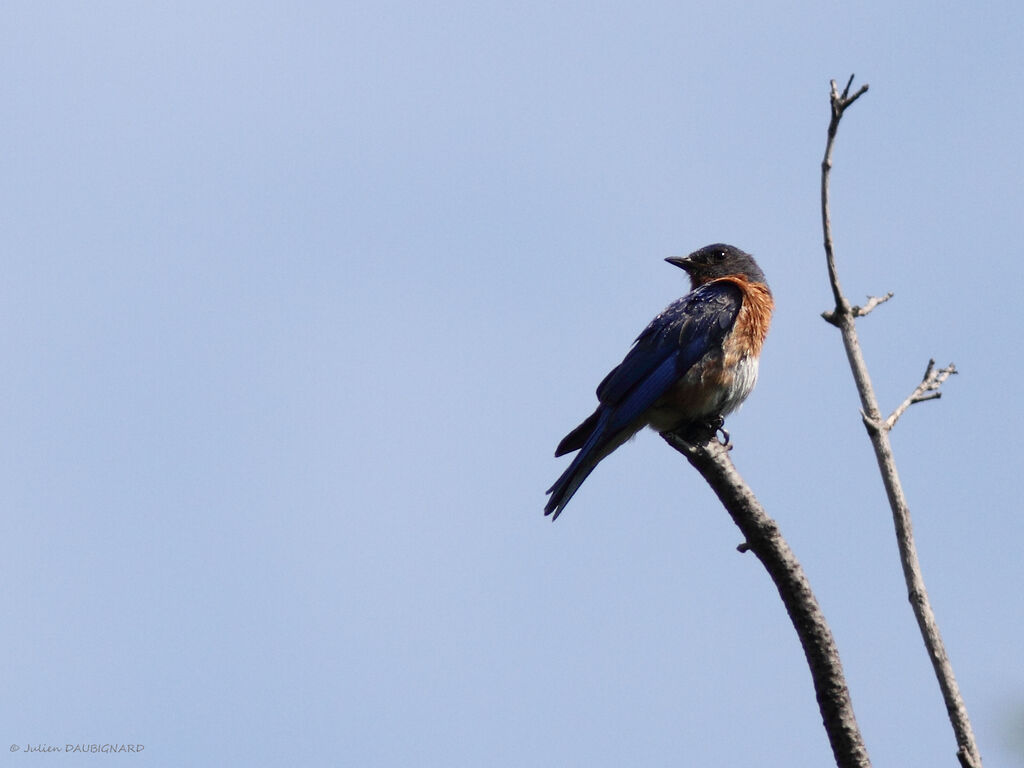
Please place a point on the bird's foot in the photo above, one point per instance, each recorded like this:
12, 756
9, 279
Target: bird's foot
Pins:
700, 432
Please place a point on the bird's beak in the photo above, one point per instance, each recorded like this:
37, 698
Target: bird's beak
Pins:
683, 262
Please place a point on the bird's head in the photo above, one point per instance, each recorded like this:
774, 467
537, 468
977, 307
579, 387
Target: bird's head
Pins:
718, 260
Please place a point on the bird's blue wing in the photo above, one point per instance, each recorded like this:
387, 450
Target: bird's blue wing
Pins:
668, 347
673, 342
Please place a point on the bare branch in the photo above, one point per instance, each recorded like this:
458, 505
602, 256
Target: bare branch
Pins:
763, 538
878, 430
873, 301
928, 389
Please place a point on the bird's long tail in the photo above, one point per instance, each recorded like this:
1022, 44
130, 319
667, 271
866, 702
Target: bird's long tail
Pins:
570, 481
596, 446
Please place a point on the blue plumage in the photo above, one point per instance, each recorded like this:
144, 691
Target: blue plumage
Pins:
681, 370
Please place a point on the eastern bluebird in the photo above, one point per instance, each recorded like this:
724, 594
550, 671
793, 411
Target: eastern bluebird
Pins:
694, 363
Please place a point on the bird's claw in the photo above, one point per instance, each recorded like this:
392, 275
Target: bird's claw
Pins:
719, 426
715, 426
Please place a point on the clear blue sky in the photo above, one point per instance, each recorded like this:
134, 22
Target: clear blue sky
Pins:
298, 299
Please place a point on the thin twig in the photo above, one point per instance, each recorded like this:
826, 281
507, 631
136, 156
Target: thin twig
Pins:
928, 389
873, 301
839, 102
843, 317
763, 538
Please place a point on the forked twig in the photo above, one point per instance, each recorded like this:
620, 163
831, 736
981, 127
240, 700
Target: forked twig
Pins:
928, 389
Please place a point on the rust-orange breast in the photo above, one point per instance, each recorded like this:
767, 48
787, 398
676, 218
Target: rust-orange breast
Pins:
751, 326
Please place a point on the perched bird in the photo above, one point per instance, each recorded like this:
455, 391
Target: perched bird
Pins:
695, 363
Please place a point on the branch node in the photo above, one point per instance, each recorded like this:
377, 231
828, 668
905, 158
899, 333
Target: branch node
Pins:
967, 757
841, 101
873, 426
831, 318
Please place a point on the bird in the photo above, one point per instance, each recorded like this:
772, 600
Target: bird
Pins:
695, 363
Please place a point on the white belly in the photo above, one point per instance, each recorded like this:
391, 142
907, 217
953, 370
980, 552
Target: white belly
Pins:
742, 385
